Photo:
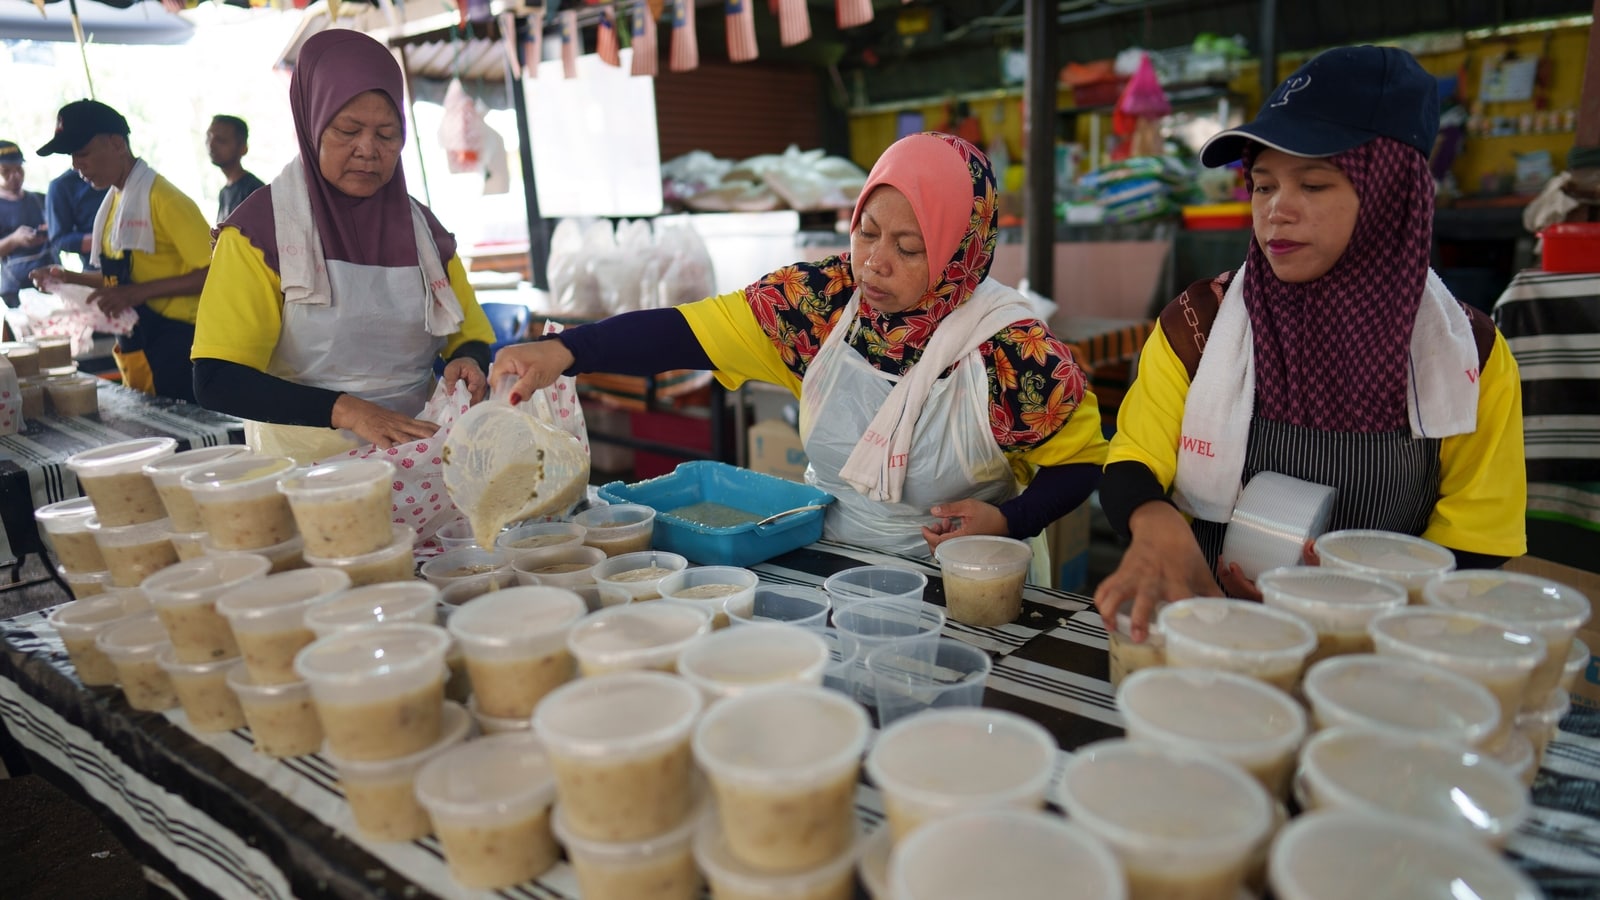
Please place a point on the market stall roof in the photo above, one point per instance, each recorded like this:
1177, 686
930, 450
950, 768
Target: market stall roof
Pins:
132, 22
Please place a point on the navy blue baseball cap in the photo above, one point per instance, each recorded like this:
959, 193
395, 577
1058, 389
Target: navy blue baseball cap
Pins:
1341, 99
79, 122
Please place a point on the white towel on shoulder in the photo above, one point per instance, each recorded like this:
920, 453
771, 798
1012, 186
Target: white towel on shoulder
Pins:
303, 268
1441, 399
132, 228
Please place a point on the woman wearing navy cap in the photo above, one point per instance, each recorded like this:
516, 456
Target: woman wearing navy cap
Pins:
1334, 355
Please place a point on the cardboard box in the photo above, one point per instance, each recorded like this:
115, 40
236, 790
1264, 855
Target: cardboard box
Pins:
1068, 538
775, 449
1586, 692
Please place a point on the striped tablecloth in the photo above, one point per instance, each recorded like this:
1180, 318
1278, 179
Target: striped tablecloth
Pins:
241, 824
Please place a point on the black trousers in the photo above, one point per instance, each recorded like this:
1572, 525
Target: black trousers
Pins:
165, 344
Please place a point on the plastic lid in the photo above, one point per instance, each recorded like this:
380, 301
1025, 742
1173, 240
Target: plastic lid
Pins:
142, 633
388, 602
499, 775
1235, 716
169, 468
646, 626
1385, 551
515, 615
1512, 598
1518, 755
725, 870
1443, 637
865, 582
1237, 626
617, 515
23, 348
781, 735
272, 594
66, 515
1347, 855
735, 660
980, 555
621, 712
1390, 692
338, 475
1550, 713
361, 654
1004, 853
204, 578
1577, 658
88, 612
124, 454
627, 853
1330, 599
236, 472
947, 756
1428, 781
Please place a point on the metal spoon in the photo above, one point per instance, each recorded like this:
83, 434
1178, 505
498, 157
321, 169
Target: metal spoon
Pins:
787, 513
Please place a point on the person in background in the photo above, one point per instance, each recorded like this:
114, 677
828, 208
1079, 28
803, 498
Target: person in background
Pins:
929, 393
227, 141
24, 236
1335, 355
71, 204
332, 292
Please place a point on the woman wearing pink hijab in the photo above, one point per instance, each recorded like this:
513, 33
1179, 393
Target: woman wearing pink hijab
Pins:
929, 393
331, 291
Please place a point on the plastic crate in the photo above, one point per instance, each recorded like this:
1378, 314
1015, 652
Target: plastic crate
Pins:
1572, 247
752, 492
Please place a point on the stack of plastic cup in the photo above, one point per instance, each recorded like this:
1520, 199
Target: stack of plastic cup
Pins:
1338, 604
519, 539
65, 526
79, 623
490, 801
268, 619
1272, 520
1237, 636
909, 677
619, 528
133, 552
1402, 695
384, 794
167, 474
874, 583
983, 577
1005, 853
515, 645
113, 478
784, 604
392, 563
866, 625
1401, 558
717, 588
735, 661
636, 636
134, 646
638, 574
342, 508
240, 506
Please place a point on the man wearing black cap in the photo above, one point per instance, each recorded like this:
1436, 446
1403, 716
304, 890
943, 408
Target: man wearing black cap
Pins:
24, 241
151, 243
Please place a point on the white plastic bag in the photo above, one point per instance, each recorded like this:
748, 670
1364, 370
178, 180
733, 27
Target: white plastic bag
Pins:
616, 273
686, 273
67, 312
461, 130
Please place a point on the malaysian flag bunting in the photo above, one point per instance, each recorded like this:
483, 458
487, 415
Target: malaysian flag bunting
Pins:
644, 41
571, 43
854, 12
608, 38
794, 22
741, 31
533, 48
685, 55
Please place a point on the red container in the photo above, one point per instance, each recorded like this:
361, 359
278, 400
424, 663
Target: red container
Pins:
1572, 247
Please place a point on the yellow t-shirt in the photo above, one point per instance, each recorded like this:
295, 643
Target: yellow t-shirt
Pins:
741, 351
183, 244
242, 306
1483, 487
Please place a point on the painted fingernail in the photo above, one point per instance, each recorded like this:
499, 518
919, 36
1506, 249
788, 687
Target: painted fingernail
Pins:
515, 398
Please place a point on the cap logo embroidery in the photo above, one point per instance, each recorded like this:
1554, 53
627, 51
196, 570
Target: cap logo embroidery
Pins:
1297, 83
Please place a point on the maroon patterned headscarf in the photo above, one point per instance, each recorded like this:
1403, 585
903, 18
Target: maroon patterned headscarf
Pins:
1334, 353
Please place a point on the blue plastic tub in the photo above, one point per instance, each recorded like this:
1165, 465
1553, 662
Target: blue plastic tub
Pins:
750, 492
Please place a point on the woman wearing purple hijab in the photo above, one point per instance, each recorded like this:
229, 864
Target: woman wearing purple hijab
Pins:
331, 291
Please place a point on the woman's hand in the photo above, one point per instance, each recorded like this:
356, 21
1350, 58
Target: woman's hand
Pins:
1232, 579
963, 518
384, 428
466, 368
536, 364
114, 299
1162, 564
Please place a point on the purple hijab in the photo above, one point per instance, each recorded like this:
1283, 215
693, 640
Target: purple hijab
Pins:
334, 67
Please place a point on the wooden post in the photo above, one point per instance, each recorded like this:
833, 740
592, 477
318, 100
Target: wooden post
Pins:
1039, 151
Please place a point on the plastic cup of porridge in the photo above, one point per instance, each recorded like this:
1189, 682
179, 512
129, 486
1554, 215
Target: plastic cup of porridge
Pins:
1540, 725
1338, 604
1402, 695
983, 577
284, 557
133, 599
733, 662
490, 804
539, 535
133, 645
1577, 661
1350, 855
1005, 853
342, 507
636, 636
563, 565
202, 690
74, 395
390, 603
714, 587
87, 584
167, 472
866, 625
282, 719
32, 391
1239, 719
456, 536
660, 867
133, 552
1440, 786
383, 793
620, 748
379, 690
907, 679
515, 644
54, 352
1237, 636
952, 761
1517, 754
1408, 561
392, 563
1128, 656
1182, 823
462, 591
497, 724
640, 574
733, 880
1524, 603
1499, 658
783, 604
619, 528
79, 623
783, 764
23, 356
66, 526
185, 598
458, 564
240, 506
113, 477
188, 544
268, 619
874, 583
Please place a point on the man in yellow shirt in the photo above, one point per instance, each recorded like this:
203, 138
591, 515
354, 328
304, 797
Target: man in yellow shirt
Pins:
152, 245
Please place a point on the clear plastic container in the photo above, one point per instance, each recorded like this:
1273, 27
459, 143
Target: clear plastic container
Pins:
23, 356
563, 565
342, 507
456, 536
729, 663
113, 477
660, 867
1128, 656
636, 636
379, 690
268, 619
1524, 603
32, 391
1499, 658
383, 793
983, 577
909, 677
1183, 824
873, 868
952, 761
188, 544
185, 597
1237, 636
282, 719
620, 748
715, 587
640, 574
1408, 561
392, 563
866, 625
134, 600
1539, 725
79, 623
133, 552
1338, 604
285, 557
733, 880
1577, 660
1231, 716
87, 584
490, 804
240, 506
539, 535
784, 604
166, 473
442, 570
497, 724
74, 395
462, 591
54, 352
1517, 754
1348, 855
619, 528
202, 690
413, 602
1388, 692
874, 583
134, 645
515, 644
66, 526
783, 764
1005, 853
1440, 786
